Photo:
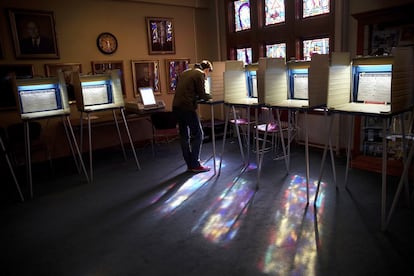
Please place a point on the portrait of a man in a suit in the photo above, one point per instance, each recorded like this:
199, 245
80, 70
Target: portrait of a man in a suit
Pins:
34, 42
33, 33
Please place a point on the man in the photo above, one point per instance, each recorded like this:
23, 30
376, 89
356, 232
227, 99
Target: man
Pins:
190, 90
34, 43
145, 80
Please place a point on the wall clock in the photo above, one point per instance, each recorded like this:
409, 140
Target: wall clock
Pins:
107, 43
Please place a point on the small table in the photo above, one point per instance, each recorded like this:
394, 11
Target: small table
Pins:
297, 105
72, 144
247, 103
384, 112
121, 109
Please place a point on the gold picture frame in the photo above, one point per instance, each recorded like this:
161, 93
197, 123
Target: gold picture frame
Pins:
146, 73
33, 33
174, 68
51, 70
161, 37
103, 66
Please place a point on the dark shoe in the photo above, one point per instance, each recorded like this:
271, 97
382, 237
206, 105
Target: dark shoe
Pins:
199, 169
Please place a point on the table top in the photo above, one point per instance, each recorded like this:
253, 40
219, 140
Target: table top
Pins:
367, 109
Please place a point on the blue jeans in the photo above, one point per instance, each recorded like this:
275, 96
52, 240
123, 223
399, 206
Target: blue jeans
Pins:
191, 136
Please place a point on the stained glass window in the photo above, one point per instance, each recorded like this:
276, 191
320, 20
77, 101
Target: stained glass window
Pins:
315, 46
274, 11
315, 7
245, 55
276, 50
242, 15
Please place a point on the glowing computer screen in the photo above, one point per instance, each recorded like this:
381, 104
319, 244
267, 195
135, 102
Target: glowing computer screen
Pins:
39, 98
298, 83
252, 83
372, 83
207, 85
147, 96
96, 92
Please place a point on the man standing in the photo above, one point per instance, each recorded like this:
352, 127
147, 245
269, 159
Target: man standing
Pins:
190, 90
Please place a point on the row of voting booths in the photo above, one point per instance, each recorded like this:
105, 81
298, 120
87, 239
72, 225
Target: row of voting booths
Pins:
379, 85
45, 98
371, 86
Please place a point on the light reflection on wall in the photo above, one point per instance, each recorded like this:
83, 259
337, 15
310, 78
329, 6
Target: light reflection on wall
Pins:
294, 231
221, 221
185, 191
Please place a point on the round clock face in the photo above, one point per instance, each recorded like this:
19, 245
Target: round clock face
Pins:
107, 43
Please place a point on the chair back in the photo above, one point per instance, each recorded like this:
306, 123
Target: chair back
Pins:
164, 120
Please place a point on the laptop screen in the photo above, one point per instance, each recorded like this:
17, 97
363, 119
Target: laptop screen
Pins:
147, 96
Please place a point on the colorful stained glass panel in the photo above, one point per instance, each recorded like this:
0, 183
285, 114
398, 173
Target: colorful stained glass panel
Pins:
274, 11
245, 55
276, 50
242, 15
315, 46
315, 7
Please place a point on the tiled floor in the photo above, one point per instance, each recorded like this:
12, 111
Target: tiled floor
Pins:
164, 221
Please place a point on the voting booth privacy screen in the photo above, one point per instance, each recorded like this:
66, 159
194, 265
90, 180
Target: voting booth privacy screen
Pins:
41, 97
98, 92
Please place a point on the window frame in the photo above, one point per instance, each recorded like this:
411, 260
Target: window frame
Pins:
293, 31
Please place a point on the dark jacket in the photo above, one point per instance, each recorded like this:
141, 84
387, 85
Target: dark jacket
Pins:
190, 90
45, 46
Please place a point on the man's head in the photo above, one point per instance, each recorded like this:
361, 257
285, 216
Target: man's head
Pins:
205, 64
32, 29
146, 73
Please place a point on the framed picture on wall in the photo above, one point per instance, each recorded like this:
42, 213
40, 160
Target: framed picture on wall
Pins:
7, 71
51, 70
100, 67
174, 68
161, 38
406, 36
33, 33
146, 73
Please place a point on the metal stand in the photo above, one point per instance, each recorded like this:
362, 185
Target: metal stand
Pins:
72, 142
119, 135
3, 148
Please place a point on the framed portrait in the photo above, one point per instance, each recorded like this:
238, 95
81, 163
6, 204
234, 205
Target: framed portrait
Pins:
406, 36
161, 38
100, 67
146, 73
174, 68
20, 71
51, 70
33, 33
